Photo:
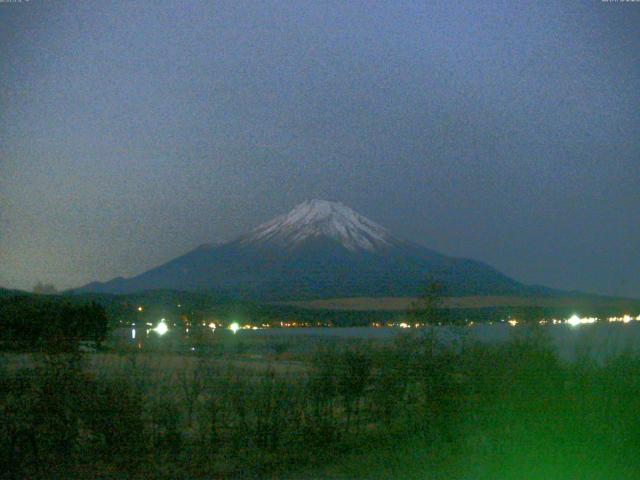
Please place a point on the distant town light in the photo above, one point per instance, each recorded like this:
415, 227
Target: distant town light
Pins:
140, 309
162, 328
133, 333
574, 320
624, 319
234, 327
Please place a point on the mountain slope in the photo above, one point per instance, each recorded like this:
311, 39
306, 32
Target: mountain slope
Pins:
319, 249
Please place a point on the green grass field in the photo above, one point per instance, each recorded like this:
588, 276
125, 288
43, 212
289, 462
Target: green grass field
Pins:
406, 409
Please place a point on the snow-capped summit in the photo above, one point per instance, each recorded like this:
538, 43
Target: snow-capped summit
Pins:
315, 219
319, 249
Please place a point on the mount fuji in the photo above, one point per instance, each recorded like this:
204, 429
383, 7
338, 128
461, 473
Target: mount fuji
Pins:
320, 249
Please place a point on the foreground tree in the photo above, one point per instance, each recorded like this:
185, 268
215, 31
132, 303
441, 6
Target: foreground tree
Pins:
429, 308
45, 289
29, 322
97, 321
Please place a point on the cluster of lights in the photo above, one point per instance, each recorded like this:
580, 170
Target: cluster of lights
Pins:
576, 320
553, 321
624, 319
294, 324
161, 328
400, 325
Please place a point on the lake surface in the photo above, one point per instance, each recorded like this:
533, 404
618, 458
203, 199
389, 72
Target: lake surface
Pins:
598, 341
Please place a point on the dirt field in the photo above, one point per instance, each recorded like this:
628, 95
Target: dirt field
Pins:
392, 304
161, 363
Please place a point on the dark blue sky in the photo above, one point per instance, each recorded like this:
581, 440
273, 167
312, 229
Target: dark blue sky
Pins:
508, 132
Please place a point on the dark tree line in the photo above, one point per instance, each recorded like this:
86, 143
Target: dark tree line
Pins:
31, 322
